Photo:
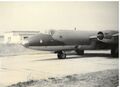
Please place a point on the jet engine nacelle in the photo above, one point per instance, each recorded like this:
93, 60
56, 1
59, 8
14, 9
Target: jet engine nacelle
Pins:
106, 36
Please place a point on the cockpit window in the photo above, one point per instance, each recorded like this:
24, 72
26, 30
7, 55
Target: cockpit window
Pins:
51, 32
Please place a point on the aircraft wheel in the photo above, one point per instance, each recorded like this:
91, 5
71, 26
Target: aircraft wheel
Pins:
114, 52
61, 55
80, 52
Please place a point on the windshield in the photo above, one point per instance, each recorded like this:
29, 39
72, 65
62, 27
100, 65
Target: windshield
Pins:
50, 32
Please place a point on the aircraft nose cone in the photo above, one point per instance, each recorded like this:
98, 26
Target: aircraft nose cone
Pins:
25, 43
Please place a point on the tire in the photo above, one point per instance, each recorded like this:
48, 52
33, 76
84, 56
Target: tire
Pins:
115, 52
61, 55
80, 52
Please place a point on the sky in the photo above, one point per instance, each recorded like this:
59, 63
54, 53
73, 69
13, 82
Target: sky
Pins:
42, 16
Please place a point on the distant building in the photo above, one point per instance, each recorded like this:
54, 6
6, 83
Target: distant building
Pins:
16, 37
1, 39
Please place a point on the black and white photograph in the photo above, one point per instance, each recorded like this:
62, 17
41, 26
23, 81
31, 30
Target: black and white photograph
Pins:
59, 43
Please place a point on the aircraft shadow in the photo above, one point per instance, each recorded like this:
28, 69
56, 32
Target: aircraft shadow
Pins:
86, 55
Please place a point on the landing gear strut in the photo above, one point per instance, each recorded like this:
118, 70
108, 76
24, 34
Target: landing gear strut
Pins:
61, 55
80, 52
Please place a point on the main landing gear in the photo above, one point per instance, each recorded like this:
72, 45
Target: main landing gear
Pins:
61, 55
115, 52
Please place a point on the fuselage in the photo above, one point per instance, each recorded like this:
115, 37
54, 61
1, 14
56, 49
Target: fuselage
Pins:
63, 40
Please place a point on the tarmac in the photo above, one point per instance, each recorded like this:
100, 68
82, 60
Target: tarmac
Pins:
35, 66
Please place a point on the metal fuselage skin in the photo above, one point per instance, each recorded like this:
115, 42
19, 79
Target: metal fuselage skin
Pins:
65, 40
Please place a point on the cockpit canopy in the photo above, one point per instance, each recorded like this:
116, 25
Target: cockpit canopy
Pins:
51, 32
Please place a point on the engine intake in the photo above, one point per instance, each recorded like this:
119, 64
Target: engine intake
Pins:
100, 35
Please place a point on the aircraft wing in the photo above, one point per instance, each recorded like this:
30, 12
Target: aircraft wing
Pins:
115, 35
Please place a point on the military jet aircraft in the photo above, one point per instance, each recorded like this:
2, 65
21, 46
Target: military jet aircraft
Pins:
60, 41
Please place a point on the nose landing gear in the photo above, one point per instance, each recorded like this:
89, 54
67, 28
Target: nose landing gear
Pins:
61, 55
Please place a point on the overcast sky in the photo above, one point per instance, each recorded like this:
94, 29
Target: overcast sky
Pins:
42, 16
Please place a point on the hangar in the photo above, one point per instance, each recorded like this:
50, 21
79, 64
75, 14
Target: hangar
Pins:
1, 39
16, 37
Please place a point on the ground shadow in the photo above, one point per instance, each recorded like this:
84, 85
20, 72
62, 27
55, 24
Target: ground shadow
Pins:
86, 55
